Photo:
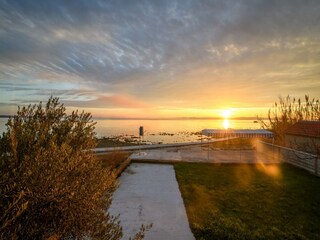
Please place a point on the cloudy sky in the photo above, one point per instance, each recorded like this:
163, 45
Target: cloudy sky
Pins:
168, 58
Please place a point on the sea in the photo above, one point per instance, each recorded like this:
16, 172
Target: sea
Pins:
161, 131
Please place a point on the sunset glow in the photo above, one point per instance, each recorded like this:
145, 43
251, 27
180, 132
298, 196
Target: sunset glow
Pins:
226, 113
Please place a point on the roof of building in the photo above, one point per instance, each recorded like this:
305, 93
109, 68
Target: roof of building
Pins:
305, 128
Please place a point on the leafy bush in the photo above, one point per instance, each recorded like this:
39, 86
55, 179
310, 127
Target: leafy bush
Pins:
51, 185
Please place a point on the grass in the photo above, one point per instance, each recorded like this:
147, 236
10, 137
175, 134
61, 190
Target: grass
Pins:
250, 201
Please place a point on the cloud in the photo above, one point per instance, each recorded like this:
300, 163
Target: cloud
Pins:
187, 53
108, 102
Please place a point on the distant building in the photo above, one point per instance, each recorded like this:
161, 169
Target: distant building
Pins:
304, 136
237, 133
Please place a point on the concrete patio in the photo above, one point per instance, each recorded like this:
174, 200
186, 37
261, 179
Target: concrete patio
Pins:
201, 154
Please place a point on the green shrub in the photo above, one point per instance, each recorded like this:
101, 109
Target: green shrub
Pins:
51, 185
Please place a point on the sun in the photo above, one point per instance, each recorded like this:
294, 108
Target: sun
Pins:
226, 113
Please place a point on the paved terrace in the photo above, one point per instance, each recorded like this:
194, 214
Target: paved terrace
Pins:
201, 154
191, 152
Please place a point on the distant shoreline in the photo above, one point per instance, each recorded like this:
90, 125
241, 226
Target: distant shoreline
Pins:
179, 118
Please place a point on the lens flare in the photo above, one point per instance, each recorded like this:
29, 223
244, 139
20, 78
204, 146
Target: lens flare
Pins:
270, 169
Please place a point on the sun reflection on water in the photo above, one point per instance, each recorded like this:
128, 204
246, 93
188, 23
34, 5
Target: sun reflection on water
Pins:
226, 123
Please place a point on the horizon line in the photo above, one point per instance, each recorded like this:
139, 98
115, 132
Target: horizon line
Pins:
169, 118
177, 118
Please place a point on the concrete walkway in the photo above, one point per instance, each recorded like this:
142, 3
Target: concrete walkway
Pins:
149, 193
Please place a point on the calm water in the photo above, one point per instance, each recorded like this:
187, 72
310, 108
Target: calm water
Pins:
165, 131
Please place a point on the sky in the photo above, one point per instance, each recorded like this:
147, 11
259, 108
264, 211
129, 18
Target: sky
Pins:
159, 59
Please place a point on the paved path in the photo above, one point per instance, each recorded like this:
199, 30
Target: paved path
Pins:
149, 193
201, 154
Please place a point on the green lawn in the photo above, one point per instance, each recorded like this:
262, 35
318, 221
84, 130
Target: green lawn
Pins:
233, 201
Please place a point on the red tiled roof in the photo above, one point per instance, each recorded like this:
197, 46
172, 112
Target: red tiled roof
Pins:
305, 128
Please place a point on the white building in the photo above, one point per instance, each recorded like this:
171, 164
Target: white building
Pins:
237, 133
